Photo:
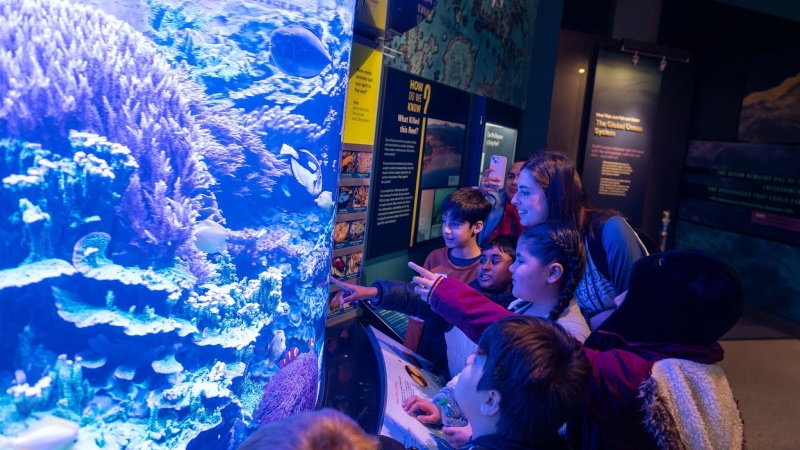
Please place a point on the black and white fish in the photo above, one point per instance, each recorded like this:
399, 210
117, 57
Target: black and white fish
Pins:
305, 169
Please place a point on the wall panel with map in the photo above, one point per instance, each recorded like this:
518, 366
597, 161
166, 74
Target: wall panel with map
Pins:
479, 46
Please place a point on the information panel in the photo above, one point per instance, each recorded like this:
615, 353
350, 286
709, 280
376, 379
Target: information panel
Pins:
421, 142
406, 374
620, 135
363, 91
747, 188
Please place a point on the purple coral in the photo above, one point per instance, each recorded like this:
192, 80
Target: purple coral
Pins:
292, 390
71, 67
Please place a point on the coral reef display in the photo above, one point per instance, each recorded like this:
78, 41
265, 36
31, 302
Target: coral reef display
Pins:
166, 215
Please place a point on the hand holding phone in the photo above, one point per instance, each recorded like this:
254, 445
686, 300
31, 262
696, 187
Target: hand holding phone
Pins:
494, 176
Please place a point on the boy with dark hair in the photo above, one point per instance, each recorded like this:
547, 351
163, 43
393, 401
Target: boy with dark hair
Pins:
463, 214
522, 385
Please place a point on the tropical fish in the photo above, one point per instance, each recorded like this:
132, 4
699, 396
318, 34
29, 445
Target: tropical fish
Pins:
305, 168
210, 237
325, 200
49, 433
19, 377
290, 356
298, 52
277, 347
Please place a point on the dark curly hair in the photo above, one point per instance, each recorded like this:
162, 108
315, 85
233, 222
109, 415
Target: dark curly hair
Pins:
504, 242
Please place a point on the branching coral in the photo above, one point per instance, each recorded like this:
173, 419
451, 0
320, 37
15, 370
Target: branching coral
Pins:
69, 67
61, 196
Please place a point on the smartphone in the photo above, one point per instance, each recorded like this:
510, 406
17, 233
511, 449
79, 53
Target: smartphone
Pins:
498, 165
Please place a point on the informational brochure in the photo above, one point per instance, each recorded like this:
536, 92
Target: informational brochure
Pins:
407, 374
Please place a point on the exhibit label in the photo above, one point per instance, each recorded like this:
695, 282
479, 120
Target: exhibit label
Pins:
363, 91
420, 145
620, 135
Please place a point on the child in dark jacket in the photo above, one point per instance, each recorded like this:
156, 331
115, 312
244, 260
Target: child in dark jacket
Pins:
655, 383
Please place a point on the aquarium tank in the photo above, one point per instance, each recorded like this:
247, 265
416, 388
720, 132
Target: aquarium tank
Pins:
166, 216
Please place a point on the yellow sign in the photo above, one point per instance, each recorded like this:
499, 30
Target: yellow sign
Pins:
363, 90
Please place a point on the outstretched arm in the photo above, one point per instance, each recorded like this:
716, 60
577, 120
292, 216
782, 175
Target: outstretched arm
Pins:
460, 304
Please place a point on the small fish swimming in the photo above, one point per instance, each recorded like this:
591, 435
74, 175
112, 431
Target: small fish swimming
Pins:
277, 347
210, 237
325, 200
49, 433
298, 52
305, 168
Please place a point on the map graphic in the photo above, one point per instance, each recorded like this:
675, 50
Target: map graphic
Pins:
479, 46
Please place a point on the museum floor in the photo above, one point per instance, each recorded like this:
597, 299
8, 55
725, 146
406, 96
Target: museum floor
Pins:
763, 368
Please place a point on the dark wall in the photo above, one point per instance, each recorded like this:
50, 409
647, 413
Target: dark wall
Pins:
575, 51
721, 39
568, 122
532, 136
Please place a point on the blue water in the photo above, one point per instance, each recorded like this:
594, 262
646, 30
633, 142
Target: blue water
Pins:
166, 215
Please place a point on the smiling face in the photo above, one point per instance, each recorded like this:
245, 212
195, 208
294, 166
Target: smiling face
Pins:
512, 178
528, 274
493, 272
530, 200
457, 233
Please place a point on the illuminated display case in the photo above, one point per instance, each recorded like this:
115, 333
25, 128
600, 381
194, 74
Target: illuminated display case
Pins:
169, 178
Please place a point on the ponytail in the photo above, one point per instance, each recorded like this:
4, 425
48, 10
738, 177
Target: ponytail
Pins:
573, 271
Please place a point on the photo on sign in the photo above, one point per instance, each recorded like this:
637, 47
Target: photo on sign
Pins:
425, 218
360, 195
348, 162
339, 267
340, 233
441, 155
364, 163
357, 230
353, 265
438, 198
345, 199
770, 109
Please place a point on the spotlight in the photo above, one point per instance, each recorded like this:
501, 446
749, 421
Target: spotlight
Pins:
581, 70
635, 58
663, 64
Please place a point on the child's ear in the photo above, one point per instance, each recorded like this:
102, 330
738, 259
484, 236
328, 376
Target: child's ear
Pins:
491, 404
477, 227
554, 272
